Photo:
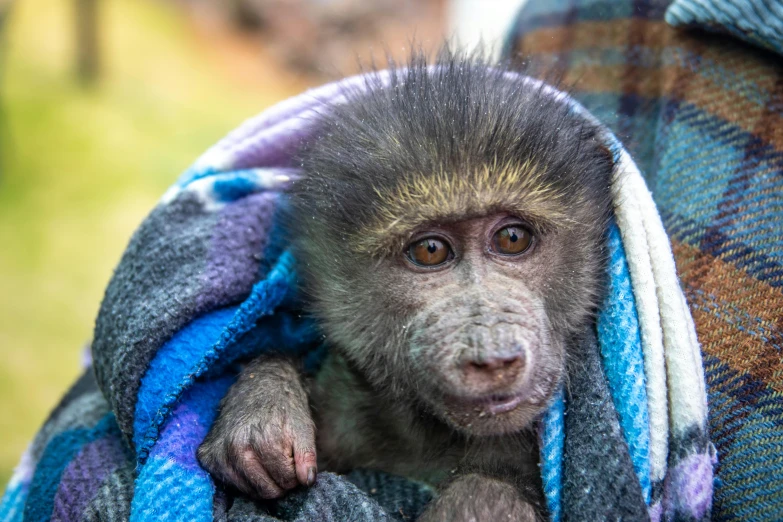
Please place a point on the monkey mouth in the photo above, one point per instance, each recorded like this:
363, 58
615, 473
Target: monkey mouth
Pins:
495, 404
499, 403
490, 414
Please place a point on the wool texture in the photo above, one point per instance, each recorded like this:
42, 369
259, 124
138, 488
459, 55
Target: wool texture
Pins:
758, 22
208, 281
591, 455
694, 90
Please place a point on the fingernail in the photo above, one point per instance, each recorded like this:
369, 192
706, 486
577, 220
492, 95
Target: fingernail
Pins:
310, 476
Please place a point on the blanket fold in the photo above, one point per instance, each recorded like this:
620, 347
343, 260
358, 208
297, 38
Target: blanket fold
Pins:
208, 281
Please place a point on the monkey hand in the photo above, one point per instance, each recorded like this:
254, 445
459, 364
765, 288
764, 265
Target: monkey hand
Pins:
475, 498
263, 441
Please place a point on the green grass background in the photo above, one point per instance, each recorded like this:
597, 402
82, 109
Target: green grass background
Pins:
80, 168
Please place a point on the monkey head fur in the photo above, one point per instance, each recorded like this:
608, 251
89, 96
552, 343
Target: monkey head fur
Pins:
455, 151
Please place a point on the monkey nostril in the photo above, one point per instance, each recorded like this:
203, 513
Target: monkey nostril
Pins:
498, 363
505, 367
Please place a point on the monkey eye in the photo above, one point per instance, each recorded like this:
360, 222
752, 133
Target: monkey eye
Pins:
430, 251
512, 240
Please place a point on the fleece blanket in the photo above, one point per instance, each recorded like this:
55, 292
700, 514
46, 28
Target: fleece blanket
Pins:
694, 89
208, 281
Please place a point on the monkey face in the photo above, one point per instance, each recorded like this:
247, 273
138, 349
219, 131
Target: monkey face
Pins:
469, 320
482, 351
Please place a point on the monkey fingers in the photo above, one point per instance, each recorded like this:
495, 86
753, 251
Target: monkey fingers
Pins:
229, 455
263, 440
263, 485
306, 467
287, 451
232, 477
225, 465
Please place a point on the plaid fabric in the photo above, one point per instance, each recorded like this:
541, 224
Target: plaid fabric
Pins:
755, 21
702, 115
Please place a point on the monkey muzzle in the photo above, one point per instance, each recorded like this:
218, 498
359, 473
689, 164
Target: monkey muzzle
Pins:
490, 372
488, 377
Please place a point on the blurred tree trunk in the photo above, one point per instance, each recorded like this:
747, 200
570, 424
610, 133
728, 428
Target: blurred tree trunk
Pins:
88, 55
5, 10
5, 7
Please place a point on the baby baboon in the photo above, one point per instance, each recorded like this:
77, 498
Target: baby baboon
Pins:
449, 227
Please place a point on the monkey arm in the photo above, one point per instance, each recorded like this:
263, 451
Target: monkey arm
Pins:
263, 441
474, 496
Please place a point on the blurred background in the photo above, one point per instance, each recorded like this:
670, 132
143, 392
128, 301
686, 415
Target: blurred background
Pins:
104, 102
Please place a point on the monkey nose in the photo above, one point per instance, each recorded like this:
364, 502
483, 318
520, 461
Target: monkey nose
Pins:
495, 371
